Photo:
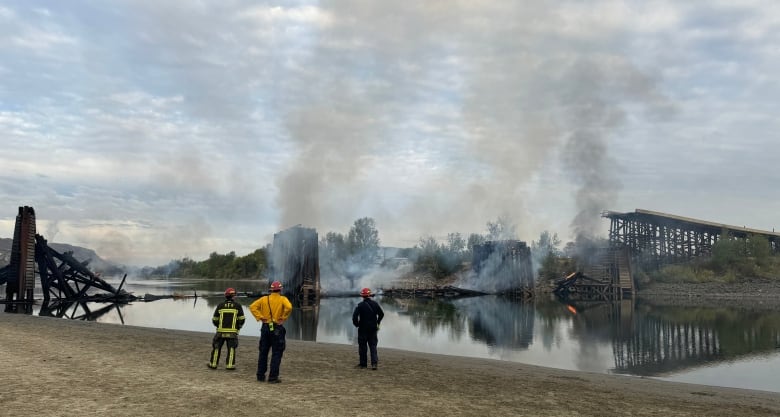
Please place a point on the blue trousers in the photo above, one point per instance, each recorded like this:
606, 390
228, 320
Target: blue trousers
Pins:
367, 341
275, 342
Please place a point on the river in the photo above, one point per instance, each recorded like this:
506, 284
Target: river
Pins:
732, 347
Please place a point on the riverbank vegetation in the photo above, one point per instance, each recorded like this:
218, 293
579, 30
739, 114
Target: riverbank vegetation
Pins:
358, 252
731, 260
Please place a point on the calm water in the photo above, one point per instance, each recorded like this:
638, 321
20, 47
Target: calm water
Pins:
713, 346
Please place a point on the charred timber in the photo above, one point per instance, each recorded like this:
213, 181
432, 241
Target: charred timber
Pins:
442, 292
295, 262
507, 261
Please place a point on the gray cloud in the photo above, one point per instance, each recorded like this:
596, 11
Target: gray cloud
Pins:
214, 125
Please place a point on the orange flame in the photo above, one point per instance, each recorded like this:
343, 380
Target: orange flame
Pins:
572, 309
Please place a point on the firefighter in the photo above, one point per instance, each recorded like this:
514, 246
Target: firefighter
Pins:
272, 310
367, 317
228, 318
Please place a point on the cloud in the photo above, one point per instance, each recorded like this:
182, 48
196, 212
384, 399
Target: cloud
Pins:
159, 130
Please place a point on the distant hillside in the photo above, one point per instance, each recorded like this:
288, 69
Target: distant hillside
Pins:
96, 264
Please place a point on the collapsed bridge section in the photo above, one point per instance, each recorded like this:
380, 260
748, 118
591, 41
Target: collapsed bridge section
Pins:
64, 280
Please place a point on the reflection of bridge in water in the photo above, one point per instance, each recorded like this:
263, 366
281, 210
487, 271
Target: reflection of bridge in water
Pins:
658, 346
652, 340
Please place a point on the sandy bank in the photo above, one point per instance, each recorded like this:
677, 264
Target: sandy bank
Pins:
60, 367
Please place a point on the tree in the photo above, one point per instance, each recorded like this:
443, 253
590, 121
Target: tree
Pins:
501, 229
429, 254
455, 243
726, 252
759, 249
363, 241
546, 255
334, 246
547, 244
474, 239
333, 254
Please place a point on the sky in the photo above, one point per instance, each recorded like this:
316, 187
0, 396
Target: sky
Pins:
156, 130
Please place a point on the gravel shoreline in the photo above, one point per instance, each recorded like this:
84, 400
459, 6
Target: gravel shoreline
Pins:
62, 367
763, 294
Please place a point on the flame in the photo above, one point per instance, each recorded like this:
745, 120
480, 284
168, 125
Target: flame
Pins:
572, 309
571, 275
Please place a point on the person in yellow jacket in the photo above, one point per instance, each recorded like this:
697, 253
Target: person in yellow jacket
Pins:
272, 310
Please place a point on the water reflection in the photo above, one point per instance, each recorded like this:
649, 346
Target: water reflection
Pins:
499, 322
667, 340
80, 310
622, 337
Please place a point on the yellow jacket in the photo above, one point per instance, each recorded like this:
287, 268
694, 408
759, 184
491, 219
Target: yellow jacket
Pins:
272, 305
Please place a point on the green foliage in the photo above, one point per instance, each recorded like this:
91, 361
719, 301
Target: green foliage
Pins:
726, 253
440, 260
363, 241
333, 246
732, 260
227, 266
474, 239
759, 249
547, 244
545, 252
746, 258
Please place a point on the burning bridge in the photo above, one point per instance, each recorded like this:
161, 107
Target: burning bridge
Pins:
656, 239
64, 280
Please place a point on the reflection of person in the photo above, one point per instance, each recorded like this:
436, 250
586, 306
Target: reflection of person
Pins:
272, 310
228, 318
367, 317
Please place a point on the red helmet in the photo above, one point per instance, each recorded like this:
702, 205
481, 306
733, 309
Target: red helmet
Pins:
276, 286
230, 292
365, 292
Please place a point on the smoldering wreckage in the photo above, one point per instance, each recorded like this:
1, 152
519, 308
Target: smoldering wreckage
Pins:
66, 282
641, 238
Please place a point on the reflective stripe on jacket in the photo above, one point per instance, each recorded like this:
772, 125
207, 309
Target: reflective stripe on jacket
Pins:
273, 305
228, 317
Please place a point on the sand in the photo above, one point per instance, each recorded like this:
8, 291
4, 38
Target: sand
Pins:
58, 367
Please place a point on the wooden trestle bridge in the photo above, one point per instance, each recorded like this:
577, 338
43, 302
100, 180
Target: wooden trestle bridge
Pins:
64, 280
656, 239
648, 240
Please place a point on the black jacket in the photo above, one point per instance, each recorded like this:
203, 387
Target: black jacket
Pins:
367, 315
228, 317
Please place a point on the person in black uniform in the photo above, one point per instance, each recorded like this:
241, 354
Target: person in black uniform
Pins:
367, 317
228, 318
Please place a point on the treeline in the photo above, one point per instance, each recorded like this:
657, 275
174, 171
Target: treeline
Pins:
357, 252
353, 254
731, 260
227, 266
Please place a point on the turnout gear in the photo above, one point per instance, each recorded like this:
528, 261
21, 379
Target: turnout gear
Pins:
367, 317
272, 310
228, 318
